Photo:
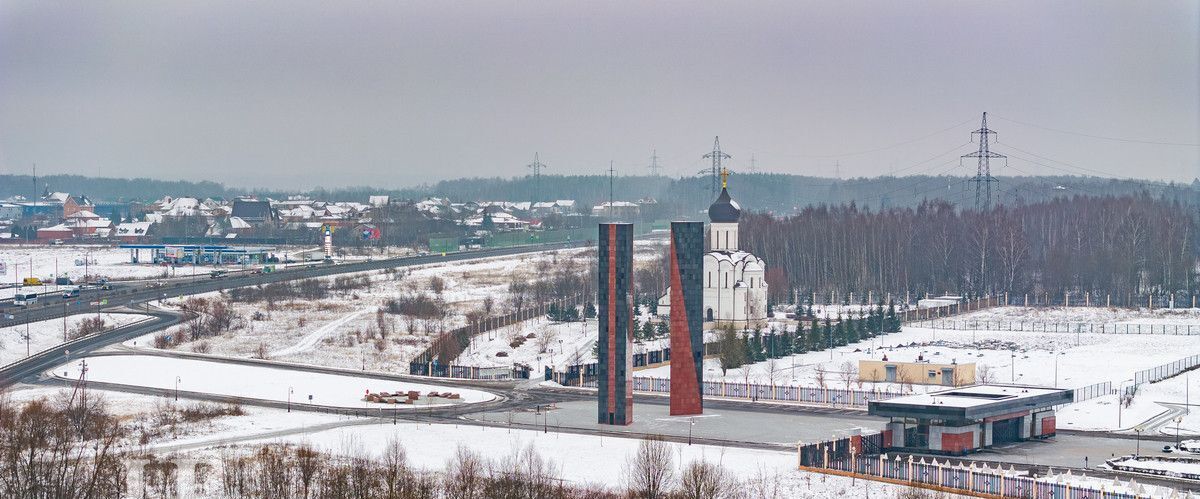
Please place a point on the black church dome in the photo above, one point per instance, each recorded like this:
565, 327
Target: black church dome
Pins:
724, 209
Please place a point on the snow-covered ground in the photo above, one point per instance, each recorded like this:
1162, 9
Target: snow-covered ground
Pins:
102, 261
46, 334
344, 329
584, 459
1020, 357
1088, 315
565, 343
1183, 465
255, 382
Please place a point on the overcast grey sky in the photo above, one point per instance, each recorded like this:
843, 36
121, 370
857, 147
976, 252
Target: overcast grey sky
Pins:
301, 94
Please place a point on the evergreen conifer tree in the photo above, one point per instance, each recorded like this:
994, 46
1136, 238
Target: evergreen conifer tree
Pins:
891, 323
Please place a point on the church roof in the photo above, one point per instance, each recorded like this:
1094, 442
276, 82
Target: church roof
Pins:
724, 209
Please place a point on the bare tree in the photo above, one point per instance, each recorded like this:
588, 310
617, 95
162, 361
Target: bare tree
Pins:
308, 464
650, 473
772, 369
849, 373
984, 374
546, 337
464, 475
704, 480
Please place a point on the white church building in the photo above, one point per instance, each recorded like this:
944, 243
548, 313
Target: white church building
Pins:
734, 288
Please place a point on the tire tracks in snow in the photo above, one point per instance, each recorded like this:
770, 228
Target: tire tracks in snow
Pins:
309, 341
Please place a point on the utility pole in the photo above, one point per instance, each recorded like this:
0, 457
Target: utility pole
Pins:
983, 179
654, 167
715, 171
536, 166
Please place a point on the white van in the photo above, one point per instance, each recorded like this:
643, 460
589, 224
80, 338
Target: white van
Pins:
24, 299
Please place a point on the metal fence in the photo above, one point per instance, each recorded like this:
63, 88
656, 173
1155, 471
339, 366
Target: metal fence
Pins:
1092, 391
973, 478
449, 345
467, 372
1059, 327
770, 393
1159, 373
842, 456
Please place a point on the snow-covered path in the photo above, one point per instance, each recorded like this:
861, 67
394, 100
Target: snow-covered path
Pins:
310, 340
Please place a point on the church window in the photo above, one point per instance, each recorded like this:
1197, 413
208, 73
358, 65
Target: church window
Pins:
726, 239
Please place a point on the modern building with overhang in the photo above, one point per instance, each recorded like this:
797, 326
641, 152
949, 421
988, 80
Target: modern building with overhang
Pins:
966, 419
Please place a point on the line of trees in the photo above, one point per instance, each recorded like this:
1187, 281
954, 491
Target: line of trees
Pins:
737, 350
1126, 245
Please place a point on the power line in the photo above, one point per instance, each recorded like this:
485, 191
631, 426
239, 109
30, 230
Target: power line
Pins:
1089, 170
1101, 137
868, 151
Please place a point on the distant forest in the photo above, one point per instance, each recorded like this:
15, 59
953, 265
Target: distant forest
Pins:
682, 198
1127, 246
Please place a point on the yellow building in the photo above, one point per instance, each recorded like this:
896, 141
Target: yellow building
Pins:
921, 372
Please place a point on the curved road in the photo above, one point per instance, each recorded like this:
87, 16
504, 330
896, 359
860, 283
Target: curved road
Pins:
53, 306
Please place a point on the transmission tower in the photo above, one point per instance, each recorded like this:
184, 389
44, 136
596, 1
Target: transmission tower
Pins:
753, 164
983, 179
536, 166
654, 167
714, 172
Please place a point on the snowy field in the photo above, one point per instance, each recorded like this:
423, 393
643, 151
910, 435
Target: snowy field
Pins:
565, 343
46, 334
345, 330
577, 455
255, 382
1019, 357
1087, 315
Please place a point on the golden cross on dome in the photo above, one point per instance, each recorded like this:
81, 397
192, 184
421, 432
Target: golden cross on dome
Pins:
724, 177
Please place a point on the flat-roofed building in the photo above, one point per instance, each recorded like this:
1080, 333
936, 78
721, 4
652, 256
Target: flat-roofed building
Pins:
966, 419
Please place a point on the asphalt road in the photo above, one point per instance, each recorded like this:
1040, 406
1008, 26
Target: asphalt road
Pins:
42, 361
53, 306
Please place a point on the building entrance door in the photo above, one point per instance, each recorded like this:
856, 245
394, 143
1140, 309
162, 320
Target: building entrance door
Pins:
1006, 431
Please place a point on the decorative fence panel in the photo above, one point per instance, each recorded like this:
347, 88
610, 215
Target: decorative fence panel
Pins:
1058, 327
970, 477
467, 372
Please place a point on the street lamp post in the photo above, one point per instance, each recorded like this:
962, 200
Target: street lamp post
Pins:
1012, 377
1178, 421
691, 424
1121, 400
177, 379
289, 400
